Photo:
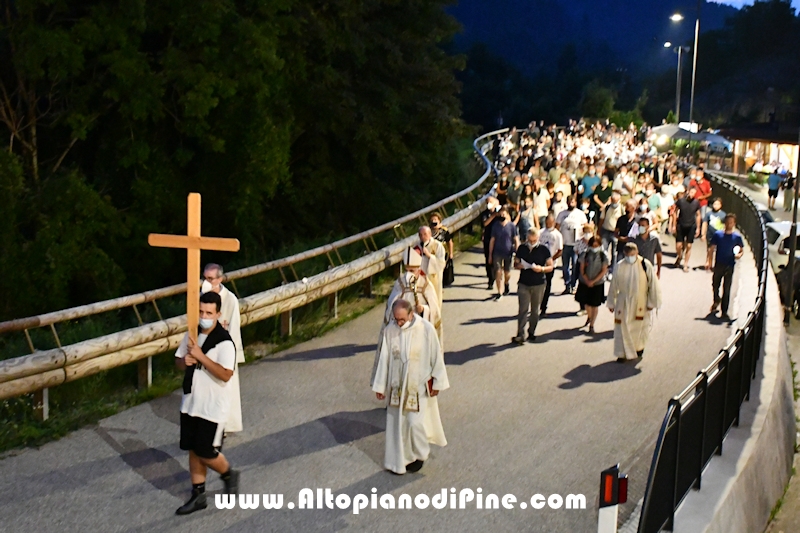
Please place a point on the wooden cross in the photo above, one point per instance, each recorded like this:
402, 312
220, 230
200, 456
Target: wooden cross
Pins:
193, 243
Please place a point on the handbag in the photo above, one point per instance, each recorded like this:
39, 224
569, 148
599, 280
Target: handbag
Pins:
449, 275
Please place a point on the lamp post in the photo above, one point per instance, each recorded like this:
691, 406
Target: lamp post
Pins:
680, 50
677, 17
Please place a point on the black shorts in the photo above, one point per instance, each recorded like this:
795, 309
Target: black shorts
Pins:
201, 436
685, 233
773, 193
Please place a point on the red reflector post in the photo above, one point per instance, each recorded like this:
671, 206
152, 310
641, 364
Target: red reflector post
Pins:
608, 489
622, 492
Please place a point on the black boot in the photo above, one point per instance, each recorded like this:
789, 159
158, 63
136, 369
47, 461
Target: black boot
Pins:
231, 480
195, 503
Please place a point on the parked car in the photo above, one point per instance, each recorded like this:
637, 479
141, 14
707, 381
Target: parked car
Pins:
778, 244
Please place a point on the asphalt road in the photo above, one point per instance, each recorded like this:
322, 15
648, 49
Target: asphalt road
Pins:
536, 419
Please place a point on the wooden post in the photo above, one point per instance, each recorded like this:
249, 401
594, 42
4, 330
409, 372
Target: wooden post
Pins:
145, 373
368, 287
333, 304
41, 404
286, 323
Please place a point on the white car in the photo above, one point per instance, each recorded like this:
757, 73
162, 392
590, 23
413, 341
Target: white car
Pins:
778, 243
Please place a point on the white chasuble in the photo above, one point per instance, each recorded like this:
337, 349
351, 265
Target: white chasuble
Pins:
231, 319
409, 359
634, 294
433, 267
415, 290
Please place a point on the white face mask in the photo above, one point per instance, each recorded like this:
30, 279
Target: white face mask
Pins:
630, 259
407, 324
206, 323
642, 230
206, 287
597, 249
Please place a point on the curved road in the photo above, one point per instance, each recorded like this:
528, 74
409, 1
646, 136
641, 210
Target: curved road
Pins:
543, 418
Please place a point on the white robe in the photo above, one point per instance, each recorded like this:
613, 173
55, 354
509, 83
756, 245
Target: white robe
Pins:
231, 317
408, 359
633, 320
433, 267
427, 299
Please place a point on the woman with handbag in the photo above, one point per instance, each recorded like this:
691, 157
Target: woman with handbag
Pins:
591, 285
441, 234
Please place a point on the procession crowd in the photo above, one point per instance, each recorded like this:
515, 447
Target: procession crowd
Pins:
593, 197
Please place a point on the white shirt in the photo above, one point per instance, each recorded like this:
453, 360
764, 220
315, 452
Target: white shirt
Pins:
552, 239
540, 202
570, 222
209, 399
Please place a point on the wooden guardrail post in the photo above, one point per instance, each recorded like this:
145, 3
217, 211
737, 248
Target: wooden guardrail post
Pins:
333, 304
286, 323
368, 287
145, 373
41, 404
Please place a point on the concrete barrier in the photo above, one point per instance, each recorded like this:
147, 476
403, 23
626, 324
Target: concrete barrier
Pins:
741, 486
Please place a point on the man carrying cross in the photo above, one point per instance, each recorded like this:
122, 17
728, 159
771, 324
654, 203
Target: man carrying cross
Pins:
208, 356
208, 365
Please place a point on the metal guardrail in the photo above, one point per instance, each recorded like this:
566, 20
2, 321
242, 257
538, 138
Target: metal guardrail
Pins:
44, 369
699, 418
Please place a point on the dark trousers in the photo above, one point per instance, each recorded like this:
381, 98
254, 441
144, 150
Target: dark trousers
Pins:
722, 273
489, 268
547, 288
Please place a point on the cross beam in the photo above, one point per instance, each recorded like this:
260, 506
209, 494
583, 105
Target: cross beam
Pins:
193, 242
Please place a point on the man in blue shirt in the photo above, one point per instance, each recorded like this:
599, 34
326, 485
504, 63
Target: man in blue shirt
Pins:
773, 184
728, 246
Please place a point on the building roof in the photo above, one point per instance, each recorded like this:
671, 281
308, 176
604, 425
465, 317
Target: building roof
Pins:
772, 132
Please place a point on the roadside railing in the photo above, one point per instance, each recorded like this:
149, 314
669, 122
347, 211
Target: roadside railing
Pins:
41, 370
699, 418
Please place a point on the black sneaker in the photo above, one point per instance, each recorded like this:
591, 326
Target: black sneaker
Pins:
507, 291
531, 338
196, 503
518, 340
232, 482
639, 354
490, 286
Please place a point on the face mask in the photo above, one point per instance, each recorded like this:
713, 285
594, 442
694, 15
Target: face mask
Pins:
615, 205
597, 249
630, 259
206, 323
585, 207
643, 208
533, 245
649, 193
642, 230
407, 324
206, 287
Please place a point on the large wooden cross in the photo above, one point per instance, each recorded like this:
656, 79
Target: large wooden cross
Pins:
193, 243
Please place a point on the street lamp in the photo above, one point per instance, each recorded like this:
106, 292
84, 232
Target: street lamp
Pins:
677, 17
680, 50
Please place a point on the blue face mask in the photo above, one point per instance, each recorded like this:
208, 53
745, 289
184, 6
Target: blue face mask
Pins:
630, 259
206, 323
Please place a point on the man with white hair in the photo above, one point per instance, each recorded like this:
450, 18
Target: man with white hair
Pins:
230, 320
434, 259
410, 374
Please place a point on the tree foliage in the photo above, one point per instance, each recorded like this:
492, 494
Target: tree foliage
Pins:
293, 118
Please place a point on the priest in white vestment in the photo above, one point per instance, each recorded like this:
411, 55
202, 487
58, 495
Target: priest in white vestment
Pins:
434, 259
414, 287
410, 374
231, 321
633, 297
